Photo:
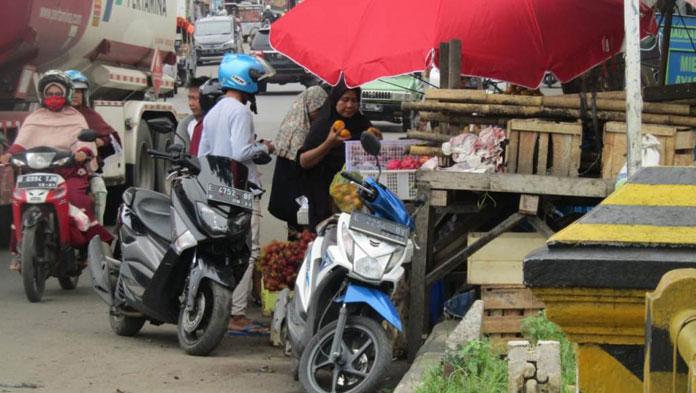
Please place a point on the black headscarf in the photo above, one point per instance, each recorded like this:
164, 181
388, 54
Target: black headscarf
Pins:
318, 179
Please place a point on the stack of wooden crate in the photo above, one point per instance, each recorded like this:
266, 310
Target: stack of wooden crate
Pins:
505, 307
676, 145
497, 267
543, 147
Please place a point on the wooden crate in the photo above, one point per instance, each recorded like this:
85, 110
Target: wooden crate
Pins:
535, 144
676, 146
505, 307
500, 261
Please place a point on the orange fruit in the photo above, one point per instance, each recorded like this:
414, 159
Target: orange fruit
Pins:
338, 124
344, 133
371, 130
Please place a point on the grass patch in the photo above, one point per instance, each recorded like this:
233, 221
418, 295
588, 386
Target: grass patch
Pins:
476, 367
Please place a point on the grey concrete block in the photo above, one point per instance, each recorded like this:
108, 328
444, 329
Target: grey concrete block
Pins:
468, 329
419, 369
534, 369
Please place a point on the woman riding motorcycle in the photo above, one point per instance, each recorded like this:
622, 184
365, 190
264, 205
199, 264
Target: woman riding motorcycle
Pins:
57, 125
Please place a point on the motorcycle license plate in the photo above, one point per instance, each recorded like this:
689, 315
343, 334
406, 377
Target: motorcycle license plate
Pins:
231, 196
372, 107
379, 228
37, 181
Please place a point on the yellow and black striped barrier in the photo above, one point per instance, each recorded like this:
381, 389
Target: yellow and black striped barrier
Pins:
594, 276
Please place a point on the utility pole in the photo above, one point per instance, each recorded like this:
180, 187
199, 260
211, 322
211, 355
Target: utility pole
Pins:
634, 99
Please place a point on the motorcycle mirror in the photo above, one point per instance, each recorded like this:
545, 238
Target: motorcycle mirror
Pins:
176, 148
370, 143
162, 125
261, 158
87, 135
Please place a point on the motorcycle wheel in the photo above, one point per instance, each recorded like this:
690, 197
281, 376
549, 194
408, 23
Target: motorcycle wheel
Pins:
201, 330
68, 282
125, 326
33, 276
366, 352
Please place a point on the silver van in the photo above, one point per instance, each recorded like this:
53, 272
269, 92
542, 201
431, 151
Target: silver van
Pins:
215, 36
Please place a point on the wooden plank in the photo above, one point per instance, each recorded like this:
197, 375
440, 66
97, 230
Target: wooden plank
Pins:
547, 126
684, 159
502, 324
560, 165
685, 140
529, 204
655, 129
444, 78
418, 310
427, 136
575, 156
441, 117
517, 183
667, 150
542, 154
438, 198
525, 153
501, 297
512, 149
608, 153
500, 261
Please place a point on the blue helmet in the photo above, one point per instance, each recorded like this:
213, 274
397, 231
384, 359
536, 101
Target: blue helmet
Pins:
78, 79
242, 72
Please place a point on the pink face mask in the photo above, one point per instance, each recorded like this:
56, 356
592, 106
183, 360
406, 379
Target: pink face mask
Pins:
54, 103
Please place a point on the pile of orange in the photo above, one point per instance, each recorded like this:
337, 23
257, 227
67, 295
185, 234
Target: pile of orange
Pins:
345, 196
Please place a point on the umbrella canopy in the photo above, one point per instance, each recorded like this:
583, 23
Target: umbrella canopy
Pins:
513, 40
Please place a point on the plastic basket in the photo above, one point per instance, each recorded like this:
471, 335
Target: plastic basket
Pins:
402, 182
357, 158
268, 300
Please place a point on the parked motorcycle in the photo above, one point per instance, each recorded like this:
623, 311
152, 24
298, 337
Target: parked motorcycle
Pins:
333, 324
41, 214
177, 260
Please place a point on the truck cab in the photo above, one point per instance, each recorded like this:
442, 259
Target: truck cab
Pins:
381, 99
215, 36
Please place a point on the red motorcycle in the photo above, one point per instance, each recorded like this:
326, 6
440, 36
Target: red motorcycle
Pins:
41, 214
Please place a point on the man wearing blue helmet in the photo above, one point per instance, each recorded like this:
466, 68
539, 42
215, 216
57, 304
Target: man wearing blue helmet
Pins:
228, 130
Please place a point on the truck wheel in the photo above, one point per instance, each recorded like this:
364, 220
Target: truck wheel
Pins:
163, 142
142, 172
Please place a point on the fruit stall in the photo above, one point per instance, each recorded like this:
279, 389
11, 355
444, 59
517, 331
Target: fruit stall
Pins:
513, 169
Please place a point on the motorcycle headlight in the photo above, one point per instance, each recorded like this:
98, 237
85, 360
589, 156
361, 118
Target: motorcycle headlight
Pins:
211, 220
39, 160
348, 243
369, 268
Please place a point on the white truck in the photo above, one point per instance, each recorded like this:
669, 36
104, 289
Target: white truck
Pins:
114, 43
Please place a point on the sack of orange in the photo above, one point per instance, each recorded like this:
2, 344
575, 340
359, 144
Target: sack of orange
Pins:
344, 194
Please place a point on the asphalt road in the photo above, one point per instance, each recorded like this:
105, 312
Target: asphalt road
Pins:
65, 344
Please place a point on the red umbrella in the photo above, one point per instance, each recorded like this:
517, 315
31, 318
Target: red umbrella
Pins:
512, 40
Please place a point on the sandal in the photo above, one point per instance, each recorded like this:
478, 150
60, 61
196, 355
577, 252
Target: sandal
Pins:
15, 263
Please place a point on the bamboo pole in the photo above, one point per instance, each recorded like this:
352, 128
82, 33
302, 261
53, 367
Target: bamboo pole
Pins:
538, 111
565, 101
436, 116
428, 136
425, 151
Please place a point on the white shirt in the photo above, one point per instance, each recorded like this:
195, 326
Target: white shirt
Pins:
228, 131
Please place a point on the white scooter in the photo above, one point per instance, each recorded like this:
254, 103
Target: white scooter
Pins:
333, 324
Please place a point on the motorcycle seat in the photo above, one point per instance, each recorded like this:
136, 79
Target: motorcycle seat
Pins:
153, 210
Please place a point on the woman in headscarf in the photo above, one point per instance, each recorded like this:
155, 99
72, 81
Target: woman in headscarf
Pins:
323, 154
287, 175
57, 125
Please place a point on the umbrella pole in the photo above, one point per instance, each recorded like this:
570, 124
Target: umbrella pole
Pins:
634, 100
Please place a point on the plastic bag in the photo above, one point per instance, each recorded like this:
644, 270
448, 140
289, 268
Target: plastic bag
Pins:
344, 194
650, 155
81, 219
